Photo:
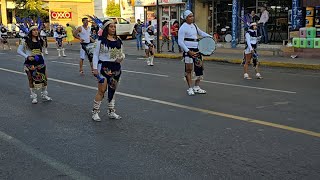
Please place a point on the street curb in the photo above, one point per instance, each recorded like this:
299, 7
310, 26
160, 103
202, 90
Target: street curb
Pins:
238, 61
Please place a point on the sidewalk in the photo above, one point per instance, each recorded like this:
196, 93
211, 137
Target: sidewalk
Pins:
269, 55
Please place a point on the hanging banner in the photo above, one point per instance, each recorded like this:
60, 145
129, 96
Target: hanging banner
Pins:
234, 23
297, 15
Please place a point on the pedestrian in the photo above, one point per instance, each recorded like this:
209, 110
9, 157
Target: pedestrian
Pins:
43, 35
250, 51
263, 26
83, 33
149, 45
174, 35
31, 49
59, 35
254, 17
107, 58
165, 35
4, 37
188, 41
138, 32
69, 33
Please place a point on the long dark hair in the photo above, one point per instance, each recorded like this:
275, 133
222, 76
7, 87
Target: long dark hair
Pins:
104, 36
29, 42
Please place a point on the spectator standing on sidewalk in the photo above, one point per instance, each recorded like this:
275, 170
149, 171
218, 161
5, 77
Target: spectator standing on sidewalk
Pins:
69, 32
165, 35
174, 35
138, 30
263, 26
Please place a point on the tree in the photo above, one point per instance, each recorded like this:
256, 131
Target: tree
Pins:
30, 8
113, 9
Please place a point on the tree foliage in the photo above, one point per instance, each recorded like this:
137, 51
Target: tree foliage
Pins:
30, 8
113, 9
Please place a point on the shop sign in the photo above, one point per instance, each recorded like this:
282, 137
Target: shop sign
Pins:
56, 15
154, 2
297, 15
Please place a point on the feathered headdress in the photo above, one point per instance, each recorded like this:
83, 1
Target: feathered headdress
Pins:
96, 20
26, 24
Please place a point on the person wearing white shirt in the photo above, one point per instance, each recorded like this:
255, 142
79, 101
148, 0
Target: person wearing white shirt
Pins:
250, 51
188, 41
149, 45
263, 25
107, 56
43, 36
4, 37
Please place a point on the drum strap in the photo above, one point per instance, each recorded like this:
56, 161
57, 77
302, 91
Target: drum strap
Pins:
190, 39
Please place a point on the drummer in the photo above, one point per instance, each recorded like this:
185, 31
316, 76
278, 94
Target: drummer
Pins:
188, 41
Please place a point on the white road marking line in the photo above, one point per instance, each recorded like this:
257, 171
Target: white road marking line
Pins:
251, 87
152, 74
73, 64
136, 72
215, 113
64, 168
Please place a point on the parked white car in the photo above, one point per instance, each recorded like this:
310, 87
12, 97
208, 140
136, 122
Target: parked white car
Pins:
124, 27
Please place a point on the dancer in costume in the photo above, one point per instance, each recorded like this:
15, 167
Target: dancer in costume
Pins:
43, 35
69, 32
83, 33
250, 51
149, 44
188, 41
59, 35
107, 57
34, 65
4, 37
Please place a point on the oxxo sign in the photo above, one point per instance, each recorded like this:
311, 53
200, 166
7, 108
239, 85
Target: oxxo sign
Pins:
61, 15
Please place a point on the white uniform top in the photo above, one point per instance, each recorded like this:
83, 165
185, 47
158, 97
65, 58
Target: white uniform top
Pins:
251, 39
101, 53
148, 37
189, 31
23, 50
43, 33
85, 34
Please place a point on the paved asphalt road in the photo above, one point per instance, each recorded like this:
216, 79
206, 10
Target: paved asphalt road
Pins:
258, 129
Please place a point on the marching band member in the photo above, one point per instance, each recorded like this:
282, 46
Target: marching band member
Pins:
43, 36
149, 44
83, 33
188, 41
107, 57
250, 51
34, 65
58, 35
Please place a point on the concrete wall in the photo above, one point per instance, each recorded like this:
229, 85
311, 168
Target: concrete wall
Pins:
79, 10
201, 15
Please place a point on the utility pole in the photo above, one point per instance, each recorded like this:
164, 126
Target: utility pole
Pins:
158, 27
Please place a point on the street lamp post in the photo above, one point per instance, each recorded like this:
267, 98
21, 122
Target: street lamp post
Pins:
158, 27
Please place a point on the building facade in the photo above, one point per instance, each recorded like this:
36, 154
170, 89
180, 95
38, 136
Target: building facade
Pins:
59, 11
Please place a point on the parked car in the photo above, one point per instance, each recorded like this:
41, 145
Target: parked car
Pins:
124, 27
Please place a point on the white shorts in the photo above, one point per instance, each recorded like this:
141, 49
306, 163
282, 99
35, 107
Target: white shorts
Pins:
247, 51
188, 60
83, 54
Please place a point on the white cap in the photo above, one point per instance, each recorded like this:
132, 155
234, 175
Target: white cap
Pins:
185, 14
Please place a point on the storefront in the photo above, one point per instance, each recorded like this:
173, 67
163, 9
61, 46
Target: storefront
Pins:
170, 10
69, 11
